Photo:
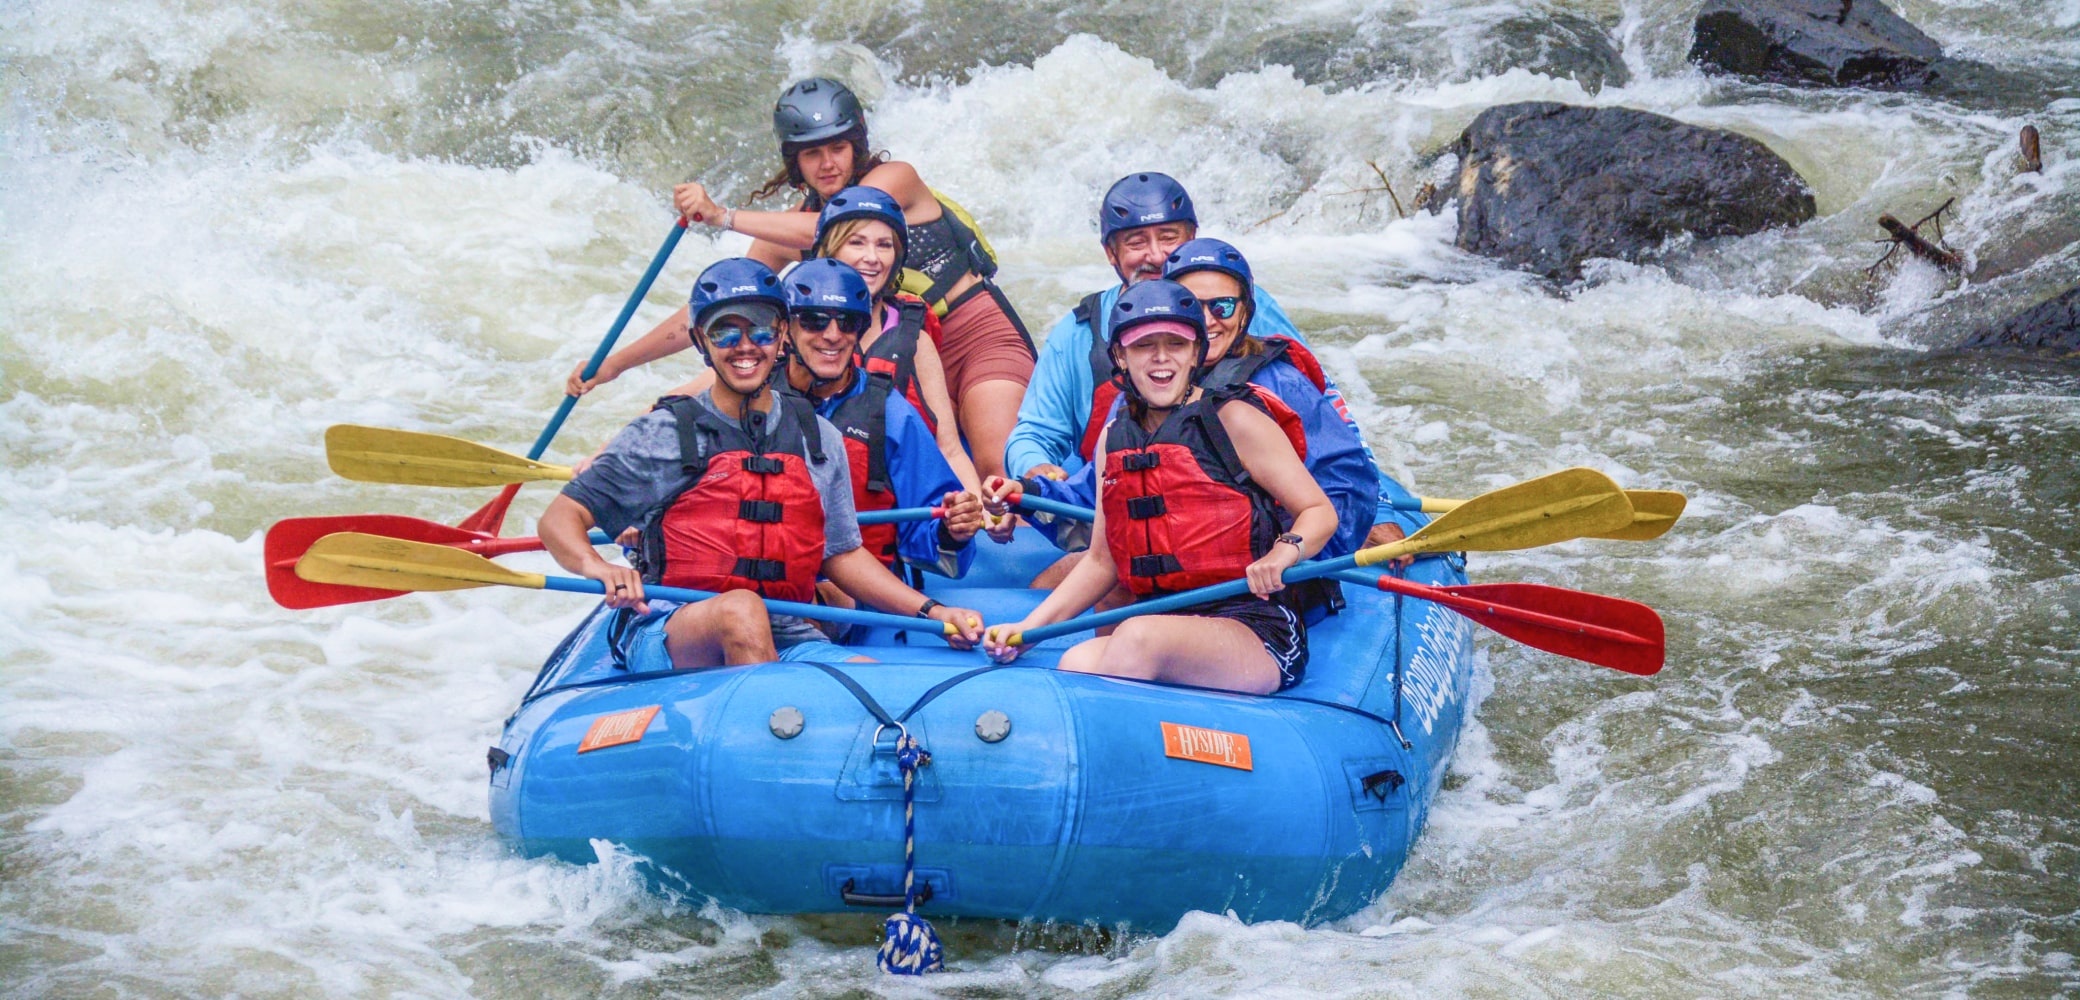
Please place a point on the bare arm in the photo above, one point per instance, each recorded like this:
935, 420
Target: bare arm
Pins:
1270, 460
859, 574
901, 180
931, 383
663, 341
564, 530
1090, 579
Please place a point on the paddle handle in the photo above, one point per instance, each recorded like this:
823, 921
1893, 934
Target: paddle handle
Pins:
1428, 505
606, 344
843, 616
899, 515
1043, 505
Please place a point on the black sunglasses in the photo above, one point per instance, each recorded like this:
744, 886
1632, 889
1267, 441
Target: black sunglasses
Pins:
817, 320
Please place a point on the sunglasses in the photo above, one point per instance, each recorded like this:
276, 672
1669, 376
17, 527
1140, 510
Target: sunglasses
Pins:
818, 320
1223, 307
724, 336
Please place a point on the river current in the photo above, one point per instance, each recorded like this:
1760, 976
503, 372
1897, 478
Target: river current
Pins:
228, 224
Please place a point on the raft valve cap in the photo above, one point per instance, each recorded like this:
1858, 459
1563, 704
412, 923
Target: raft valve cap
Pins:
992, 726
785, 722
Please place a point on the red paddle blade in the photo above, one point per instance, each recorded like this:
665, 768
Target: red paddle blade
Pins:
1607, 631
492, 516
288, 540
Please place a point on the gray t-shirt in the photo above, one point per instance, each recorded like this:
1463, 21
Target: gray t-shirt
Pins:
639, 473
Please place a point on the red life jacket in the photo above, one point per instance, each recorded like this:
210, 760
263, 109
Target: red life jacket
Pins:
752, 518
894, 353
1180, 509
863, 421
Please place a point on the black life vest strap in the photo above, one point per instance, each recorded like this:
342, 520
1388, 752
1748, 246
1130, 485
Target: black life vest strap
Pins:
1206, 414
1239, 371
1143, 508
762, 570
1089, 314
876, 392
1155, 564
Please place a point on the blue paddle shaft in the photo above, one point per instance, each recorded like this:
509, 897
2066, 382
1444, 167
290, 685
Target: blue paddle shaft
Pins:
1177, 602
843, 616
599, 356
1055, 507
898, 515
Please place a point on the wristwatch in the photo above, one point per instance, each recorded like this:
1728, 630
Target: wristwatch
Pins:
925, 610
1294, 539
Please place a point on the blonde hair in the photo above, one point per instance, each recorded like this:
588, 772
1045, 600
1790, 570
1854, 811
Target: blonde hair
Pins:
846, 229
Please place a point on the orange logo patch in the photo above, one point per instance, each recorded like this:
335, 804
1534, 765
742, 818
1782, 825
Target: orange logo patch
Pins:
1207, 746
618, 728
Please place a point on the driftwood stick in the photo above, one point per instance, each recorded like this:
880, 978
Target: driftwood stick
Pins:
2032, 151
1383, 182
1904, 235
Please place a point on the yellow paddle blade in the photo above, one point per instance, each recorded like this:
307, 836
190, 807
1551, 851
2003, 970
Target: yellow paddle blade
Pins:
1653, 513
1569, 504
359, 560
410, 458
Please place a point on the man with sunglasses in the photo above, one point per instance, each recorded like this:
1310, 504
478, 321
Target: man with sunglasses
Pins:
738, 490
1142, 219
895, 460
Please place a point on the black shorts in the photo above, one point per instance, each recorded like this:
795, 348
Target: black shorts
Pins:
1275, 624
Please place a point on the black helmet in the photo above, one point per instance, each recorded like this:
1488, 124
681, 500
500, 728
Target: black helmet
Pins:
816, 109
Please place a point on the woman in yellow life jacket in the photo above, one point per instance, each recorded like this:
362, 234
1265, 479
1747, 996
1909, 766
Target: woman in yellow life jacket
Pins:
983, 346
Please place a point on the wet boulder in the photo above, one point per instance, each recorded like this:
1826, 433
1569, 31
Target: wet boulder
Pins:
2054, 324
1814, 43
1547, 186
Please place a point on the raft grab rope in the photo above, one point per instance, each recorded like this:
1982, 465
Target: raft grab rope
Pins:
909, 945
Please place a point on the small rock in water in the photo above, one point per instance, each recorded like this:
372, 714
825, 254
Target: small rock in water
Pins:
2053, 324
1814, 43
1547, 186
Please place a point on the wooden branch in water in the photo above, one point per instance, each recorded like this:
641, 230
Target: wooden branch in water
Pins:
2032, 151
1903, 235
1382, 175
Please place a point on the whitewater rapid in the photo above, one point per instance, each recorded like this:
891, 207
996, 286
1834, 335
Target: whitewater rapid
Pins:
228, 224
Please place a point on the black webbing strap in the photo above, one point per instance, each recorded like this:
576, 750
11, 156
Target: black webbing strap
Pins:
762, 570
1143, 508
1156, 565
866, 700
876, 391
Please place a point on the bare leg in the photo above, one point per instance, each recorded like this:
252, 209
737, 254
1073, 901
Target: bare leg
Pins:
1052, 576
725, 630
1180, 649
989, 411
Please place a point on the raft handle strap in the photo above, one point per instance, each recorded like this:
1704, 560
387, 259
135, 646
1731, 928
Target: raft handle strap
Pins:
881, 901
866, 700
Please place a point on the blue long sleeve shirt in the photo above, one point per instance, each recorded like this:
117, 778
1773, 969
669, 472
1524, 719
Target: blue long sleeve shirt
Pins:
920, 477
1058, 403
1058, 399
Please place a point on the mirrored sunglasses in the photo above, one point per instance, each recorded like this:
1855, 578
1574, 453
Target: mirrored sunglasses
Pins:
1223, 307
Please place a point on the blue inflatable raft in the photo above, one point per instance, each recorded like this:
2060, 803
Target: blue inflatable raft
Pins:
1049, 796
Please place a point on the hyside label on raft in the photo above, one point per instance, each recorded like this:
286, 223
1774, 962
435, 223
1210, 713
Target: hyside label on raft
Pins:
618, 728
1207, 746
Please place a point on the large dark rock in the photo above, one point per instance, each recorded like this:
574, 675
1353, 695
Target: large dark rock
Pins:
1814, 43
1547, 186
2052, 324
